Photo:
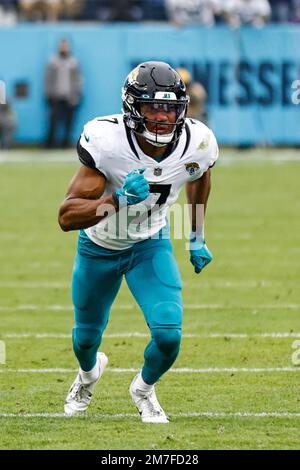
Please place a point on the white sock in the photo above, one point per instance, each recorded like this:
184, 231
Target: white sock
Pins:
141, 384
90, 376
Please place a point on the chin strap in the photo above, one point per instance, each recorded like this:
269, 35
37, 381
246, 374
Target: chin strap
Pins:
152, 138
155, 144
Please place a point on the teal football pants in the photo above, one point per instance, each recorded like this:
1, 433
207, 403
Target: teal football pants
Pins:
153, 277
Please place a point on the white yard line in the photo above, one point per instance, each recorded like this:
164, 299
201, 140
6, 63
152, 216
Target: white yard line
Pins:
146, 335
290, 306
42, 157
34, 285
53, 307
225, 284
204, 414
219, 283
209, 370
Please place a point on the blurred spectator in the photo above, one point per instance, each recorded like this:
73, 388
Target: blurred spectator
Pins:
255, 12
197, 94
281, 10
296, 11
72, 9
50, 10
63, 86
182, 12
7, 125
8, 12
113, 10
32, 10
124, 10
229, 12
154, 10
238, 12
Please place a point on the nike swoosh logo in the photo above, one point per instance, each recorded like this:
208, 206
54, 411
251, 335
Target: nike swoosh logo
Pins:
126, 193
86, 138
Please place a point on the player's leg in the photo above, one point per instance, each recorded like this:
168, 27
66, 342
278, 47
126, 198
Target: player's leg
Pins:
95, 284
156, 284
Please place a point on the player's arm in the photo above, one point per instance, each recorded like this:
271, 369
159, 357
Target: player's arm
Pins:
197, 193
198, 190
197, 196
84, 205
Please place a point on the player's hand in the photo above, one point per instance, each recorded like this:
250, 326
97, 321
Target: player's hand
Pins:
135, 189
200, 255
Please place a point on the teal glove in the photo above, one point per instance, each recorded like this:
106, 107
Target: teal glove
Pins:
135, 189
200, 255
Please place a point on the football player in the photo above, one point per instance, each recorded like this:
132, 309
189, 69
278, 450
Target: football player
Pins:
133, 167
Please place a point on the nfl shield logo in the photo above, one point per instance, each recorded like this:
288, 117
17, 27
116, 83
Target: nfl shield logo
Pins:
157, 171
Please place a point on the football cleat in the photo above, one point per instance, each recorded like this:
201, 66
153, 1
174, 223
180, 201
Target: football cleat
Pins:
147, 404
80, 394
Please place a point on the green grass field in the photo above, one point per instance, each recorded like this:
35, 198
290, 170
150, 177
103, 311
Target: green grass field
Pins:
241, 389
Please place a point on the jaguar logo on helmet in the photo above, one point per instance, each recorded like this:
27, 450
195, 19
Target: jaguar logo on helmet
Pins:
192, 168
132, 77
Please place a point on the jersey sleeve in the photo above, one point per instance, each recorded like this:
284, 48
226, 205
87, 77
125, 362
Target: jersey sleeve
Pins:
89, 148
206, 154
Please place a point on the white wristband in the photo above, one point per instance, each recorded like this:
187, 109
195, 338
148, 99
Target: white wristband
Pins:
198, 235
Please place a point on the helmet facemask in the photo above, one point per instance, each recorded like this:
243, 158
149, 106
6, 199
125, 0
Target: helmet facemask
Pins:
157, 85
140, 124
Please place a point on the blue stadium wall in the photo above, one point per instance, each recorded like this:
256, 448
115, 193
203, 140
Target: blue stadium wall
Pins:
248, 73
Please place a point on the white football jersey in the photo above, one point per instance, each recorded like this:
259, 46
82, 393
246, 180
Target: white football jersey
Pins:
107, 145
